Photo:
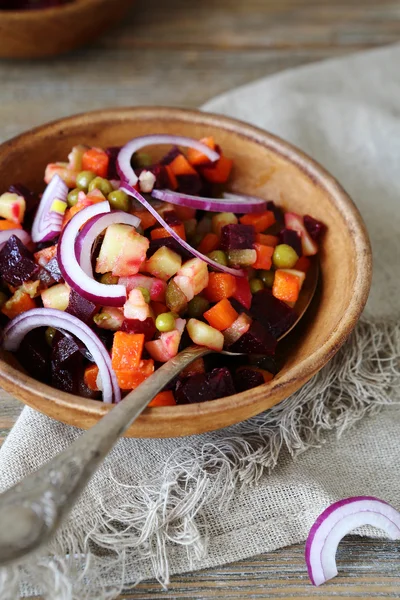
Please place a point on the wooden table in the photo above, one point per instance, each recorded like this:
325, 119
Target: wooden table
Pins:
182, 53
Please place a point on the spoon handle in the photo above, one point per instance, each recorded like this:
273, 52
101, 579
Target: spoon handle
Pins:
36, 506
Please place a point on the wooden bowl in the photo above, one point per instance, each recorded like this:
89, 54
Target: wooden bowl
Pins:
52, 31
264, 166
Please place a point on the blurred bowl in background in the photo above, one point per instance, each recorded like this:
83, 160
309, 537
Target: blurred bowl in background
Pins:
50, 31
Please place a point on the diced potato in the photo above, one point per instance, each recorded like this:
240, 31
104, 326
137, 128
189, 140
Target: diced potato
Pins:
56, 296
110, 318
164, 263
192, 277
136, 306
204, 335
122, 252
12, 207
219, 220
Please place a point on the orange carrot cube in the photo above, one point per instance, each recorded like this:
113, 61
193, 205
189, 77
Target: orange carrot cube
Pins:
160, 232
267, 240
95, 160
127, 350
163, 399
264, 257
181, 166
209, 243
220, 286
222, 315
19, 303
260, 222
219, 171
286, 286
195, 157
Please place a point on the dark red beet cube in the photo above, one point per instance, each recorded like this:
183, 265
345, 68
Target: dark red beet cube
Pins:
16, 263
170, 243
80, 307
246, 379
112, 153
276, 316
190, 184
291, 238
34, 354
237, 237
315, 228
147, 327
257, 340
53, 269
31, 201
65, 349
278, 212
171, 218
170, 156
205, 386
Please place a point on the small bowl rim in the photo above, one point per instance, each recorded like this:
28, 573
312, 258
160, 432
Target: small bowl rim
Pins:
49, 11
299, 372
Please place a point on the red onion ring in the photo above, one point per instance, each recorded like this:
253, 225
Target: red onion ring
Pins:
19, 233
124, 157
47, 224
92, 229
74, 275
338, 520
16, 330
132, 192
230, 203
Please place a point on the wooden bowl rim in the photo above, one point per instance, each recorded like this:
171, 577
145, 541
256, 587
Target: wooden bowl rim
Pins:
320, 176
38, 14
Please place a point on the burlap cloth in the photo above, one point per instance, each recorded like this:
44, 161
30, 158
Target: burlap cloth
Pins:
158, 507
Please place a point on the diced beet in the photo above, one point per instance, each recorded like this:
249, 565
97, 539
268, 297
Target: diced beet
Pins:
161, 175
16, 263
86, 392
65, 349
80, 307
315, 228
66, 363
274, 314
246, 379
237, 237
257, 340
54, 269
105, 335
170, 243
170, 156
112, 153
66, 380
171, 218
34, 354
147, 327
268, 363
205, 386
190, 184
31, 201
46, 279
291, 238
278, 212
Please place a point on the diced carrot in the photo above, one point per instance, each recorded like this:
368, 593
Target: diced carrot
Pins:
127, 350
181, 166
146, 218
209, 243
83, 201
219, 171
173, 182
159, 308
19, 303
197, 366
163, 399
221, 315
264, 256
184, 213
90, 377
195, 157
286, 286
266, 374
267, 240
260, 221
160, 232
95, 160
44, 256
7, 224
303, 264
220, 286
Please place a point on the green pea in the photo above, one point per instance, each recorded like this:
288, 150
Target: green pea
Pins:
165, 322
142, 159
119, 200
99, 183
83, 179
256, 285
109, 279
219, 256
197, 307
72, 197
3, 298
284, 257
49, 335
146, 295
267, 277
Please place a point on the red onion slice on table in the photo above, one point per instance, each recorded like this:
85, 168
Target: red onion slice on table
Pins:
124, 166
132, 192
74, 275
338, 520
19, 233
16, 330
235, 203
92, 229
48, 222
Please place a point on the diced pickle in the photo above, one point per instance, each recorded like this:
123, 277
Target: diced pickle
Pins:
242, 258
175, 298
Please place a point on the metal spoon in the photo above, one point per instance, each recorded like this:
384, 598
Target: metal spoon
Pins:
32, 510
